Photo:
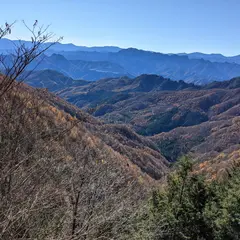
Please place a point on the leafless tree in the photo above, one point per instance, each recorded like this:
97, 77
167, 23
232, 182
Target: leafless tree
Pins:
98, 195
21, 133
14, 64
55, 183
57, 180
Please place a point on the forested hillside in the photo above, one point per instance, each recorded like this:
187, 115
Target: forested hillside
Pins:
146, 158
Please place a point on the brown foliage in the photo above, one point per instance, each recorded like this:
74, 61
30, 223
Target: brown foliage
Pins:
59, 179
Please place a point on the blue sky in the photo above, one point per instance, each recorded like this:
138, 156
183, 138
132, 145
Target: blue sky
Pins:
169, 26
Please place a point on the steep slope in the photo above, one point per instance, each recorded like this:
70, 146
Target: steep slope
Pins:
121, 139
64, 173
132, 149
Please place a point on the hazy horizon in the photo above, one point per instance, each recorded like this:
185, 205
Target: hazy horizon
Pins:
150, 50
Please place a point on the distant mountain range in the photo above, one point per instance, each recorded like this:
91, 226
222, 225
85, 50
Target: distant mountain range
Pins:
76, 69
137, 62
132, 62
79, 69
212, 57
55, 82
110, 62
7, 45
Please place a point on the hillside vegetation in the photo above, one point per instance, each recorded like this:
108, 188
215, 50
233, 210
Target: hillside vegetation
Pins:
189, 206
178, 117
65, 173
61, 170
156, 159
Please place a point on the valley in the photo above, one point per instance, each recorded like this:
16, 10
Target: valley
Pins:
179, 118
117, 143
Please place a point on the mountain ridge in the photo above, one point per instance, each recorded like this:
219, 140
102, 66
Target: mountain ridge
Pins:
96, 63
180, 118
137, 62
9, 45
213, 57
